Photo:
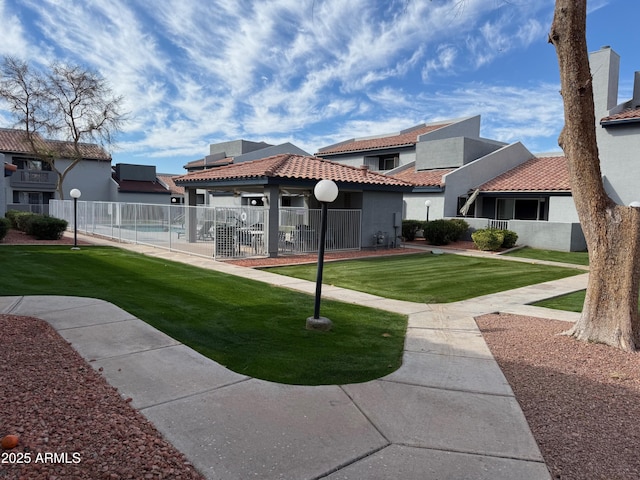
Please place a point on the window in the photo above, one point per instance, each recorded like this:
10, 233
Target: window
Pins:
520, 209
388, 162
32, 164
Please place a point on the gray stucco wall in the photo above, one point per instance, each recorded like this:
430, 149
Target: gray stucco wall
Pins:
235, 148
618, 145
379, 211
474, 174
90, 177
452, 152
564, 237
464, 127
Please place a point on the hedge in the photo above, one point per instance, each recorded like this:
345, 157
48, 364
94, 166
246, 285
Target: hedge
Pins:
5, 225
44, 227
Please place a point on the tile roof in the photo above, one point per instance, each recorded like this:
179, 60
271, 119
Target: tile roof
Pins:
630, 114
292, 167
357, 145
14, 141
168, 180
539, 174
423, 178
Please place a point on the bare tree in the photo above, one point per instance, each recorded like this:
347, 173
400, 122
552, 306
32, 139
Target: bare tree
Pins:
612, 232
67, 103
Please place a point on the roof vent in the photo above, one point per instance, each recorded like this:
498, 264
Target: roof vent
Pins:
364, 168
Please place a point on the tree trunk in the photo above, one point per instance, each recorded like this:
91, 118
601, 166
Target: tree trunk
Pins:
610, 312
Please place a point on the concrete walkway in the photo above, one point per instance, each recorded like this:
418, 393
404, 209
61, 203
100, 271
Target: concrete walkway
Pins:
447, 413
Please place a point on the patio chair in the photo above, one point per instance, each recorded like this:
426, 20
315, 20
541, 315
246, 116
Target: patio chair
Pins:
205, 233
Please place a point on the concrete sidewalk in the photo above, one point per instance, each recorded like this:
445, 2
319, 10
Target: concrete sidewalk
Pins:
447, 413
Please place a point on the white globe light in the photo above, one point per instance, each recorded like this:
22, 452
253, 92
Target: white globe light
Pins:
75, 193
326, 191
427, 203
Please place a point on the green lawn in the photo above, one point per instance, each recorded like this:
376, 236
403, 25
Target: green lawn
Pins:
577, 258
428, 278
251, 327
572, 302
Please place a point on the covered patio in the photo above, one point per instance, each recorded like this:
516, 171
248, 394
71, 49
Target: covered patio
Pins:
279, 191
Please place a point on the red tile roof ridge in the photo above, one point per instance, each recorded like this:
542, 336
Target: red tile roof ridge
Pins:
293, 166
404, 137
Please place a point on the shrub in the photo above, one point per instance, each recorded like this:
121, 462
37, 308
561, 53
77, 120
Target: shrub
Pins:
510, 239
22, 219
11, 215
459, 228
441, 232
410, 228
488, 239
46, 228
438, 232
5, 225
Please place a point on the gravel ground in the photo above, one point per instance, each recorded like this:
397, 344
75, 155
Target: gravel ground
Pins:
582, 402
72, 424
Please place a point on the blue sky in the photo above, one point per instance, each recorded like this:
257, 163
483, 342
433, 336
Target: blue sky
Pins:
313, 72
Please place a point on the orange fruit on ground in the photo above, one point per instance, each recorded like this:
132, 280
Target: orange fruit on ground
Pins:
9, 441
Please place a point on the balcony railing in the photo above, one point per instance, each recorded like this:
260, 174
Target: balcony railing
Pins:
40, 179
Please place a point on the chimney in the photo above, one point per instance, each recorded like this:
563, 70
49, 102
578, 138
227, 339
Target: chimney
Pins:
365, 169
605, 70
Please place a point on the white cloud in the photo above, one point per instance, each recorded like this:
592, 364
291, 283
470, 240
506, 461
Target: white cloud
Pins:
313, 71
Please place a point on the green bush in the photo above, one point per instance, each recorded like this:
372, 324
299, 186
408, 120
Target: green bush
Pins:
442, 232
510, 239
459, 228
438, 232
410, 228
488, 239
11, 215
46, 228
5, 225
22, 220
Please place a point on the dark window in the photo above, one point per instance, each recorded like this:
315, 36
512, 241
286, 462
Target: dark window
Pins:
388, 162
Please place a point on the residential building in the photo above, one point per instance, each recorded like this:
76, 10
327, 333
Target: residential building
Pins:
233, 153
32, 183
455, 172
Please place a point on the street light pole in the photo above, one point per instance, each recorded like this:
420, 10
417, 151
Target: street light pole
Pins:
75, 193
325, 191
427, 204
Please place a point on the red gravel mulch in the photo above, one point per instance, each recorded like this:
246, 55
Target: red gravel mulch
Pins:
582, 400
71, 423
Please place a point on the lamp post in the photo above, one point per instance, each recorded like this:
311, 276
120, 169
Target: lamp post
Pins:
427, 204
325, 191
75, 193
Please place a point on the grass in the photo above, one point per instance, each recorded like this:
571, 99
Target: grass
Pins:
571, 302
250, 327
576, 258
427, 278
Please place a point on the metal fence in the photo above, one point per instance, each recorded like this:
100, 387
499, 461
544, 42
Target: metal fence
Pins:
219, 232
499, 224
299, 230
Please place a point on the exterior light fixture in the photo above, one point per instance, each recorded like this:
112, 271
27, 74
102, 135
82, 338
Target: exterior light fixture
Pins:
427, 204
75, 194
325, 191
